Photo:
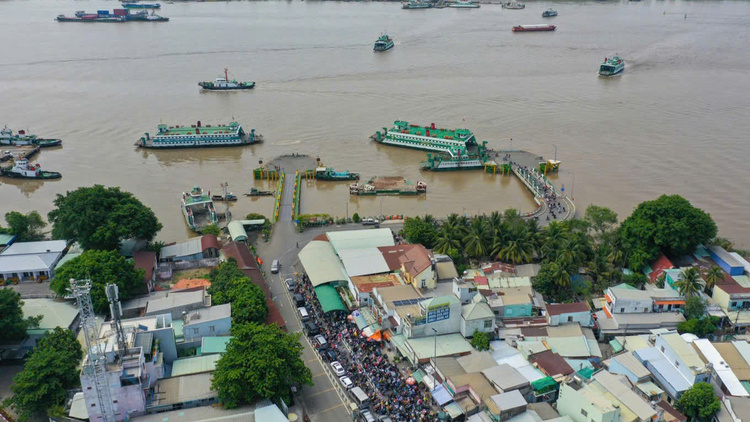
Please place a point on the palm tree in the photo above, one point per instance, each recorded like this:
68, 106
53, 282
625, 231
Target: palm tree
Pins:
560, 274
552, 237
690, 283
453, 219
447, 240
713, 275
520, 247
477, 238
428, 218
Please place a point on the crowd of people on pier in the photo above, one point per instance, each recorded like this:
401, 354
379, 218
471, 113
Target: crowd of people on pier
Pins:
544, 189
367, 364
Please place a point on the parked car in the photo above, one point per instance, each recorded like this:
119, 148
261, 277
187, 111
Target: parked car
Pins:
366, 416
311, 328
338, 368
320, 341
303, 315
275, 266
346, 382
330, 355
299, 300
384, 418
289, 284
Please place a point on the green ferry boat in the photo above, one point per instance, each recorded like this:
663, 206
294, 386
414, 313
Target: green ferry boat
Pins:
611, 66
427, 138
7, 137
383, 43
459, 159
198, 209
197, 136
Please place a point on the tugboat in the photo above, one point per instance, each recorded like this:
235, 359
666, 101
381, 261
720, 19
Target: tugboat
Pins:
198, 209
23, 170
464, 4
611, 66
224, 84
416, 4
513, 5
549, 13
383, 43
327, 173
256, 192
21, 138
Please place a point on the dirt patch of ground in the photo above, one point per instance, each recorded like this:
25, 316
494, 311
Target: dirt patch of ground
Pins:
190, 274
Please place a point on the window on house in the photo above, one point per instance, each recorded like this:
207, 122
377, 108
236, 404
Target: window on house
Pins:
734, 304
196, 331
622, 310
88, 388
488, 323
662, 349
584, 412
212, 328
93, 404
114, 401
570, 319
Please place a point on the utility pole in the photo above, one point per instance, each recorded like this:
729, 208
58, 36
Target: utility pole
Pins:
227, 213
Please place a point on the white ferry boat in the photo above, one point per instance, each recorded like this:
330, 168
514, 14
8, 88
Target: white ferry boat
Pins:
198, 209
196, 136
427, 138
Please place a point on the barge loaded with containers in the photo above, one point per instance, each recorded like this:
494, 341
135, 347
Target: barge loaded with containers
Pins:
393, 185
197, 136
117, 16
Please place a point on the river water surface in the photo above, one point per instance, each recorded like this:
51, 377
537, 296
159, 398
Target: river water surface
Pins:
676, 121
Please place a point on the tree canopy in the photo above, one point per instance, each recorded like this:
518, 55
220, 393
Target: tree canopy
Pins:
261, 362
213, 229
480, 340
100, 218
417, 230
26, 227
701, 327
695, 307
699, 403
102, 267
13, 324
230, 285
47, 375
601, 219
668, 224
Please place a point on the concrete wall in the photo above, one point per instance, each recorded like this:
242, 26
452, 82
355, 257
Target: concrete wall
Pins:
583, 318
426, 279
630, 306
448, 326
571, 403
220, 327
721, 297
464, 292
167, 343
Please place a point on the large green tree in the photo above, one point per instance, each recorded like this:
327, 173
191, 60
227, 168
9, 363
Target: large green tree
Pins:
47, 375
699, 403
26, 227
668, 224
222, 279
261, 362
13, 324
230, 285
102, 268
601, 219
417, 230
480, 340
100, 218
695, 307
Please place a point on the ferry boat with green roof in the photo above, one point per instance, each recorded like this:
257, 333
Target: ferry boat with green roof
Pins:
611, 66
427, 138
198, 209
459, 159
197, 136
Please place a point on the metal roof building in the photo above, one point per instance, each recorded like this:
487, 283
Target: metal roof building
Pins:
359, 239
321, 263
211, 345
363, 261
54, 314
329, 299
195, 365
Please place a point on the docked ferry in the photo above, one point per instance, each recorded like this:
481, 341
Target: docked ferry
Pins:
416, 4
329, 174
611, 66
428, 138
7, 137
459, 159
383, 43
513, 5
197, 136
23, 170
198, 209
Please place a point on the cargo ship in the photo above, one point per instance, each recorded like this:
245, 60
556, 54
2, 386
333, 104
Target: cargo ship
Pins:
197, 136
7, 137
416, 4
198, 209
427, 138
460, 159
23, 170
224, 84
383, 43
533, 28
611, 66
329, 174
138, 5
393, 185
117, 15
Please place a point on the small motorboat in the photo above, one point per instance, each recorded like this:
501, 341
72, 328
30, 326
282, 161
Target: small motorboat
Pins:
549, 13
230, 197
256, 192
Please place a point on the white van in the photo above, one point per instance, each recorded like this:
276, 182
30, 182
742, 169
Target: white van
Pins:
303, 315
275, 266
360, 397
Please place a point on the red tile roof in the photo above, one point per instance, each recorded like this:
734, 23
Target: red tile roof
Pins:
567, 308
662, 263
730, 286
414, 258
146, 261
551, 363
672, 411
482, 281
321, 237
499, 266
209, 241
